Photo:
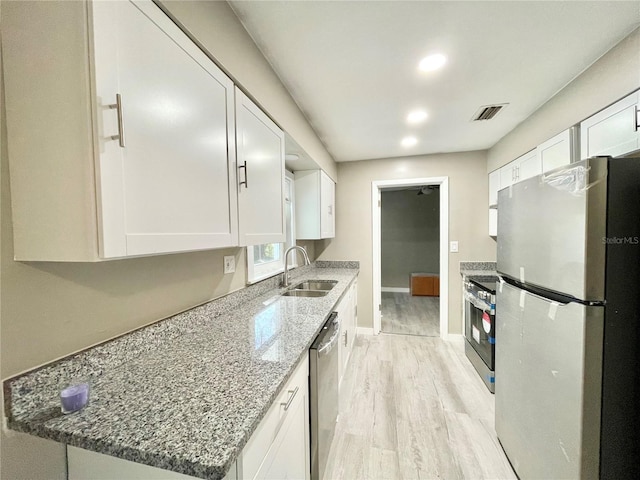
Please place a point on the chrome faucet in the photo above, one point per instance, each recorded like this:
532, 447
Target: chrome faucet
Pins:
285, 274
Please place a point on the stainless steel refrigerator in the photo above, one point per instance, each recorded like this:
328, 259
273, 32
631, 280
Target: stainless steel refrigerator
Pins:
568, 322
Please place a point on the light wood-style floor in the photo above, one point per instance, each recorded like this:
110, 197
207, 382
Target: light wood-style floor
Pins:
416, 410
408, 315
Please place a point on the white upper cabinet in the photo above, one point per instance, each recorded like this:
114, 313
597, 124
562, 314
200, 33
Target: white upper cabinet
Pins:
614, 131
315, 205
507, 175
494, 186
124, 144
555, 152
558, 151
526, 166
260, 150
327, 206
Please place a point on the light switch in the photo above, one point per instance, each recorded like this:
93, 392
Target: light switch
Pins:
454, 246
229, 264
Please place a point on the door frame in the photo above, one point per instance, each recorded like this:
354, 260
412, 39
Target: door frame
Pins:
376, 188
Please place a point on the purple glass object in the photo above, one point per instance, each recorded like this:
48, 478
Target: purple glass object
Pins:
74, 398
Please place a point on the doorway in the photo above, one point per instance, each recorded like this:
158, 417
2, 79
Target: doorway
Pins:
410, 260
407, 313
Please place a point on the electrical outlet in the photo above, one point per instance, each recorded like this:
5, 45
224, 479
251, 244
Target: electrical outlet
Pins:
229, 264
454, 246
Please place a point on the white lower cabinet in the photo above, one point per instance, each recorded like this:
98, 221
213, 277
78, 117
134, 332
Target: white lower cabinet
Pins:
344, 315
347, 313
285, 458
614, 131
87, 465
279, 448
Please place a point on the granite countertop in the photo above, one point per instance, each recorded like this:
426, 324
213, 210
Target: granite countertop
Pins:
481, 271
184, 394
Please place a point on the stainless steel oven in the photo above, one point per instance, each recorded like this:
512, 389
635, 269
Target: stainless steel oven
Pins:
480, 315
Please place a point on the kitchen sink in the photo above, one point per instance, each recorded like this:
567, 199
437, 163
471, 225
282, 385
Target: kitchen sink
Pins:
305, 293
316, 285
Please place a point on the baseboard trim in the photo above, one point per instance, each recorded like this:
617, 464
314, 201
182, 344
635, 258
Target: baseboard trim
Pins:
456, 338
395, 289
364, 331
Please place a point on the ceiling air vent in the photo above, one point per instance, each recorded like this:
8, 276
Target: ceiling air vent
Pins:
487, 112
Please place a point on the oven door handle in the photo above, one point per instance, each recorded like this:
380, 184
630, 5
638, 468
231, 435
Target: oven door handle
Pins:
484, 306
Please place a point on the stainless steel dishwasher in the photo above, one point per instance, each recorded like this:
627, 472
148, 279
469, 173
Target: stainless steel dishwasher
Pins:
323, 388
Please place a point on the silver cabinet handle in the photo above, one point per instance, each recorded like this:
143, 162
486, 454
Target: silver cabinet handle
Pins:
637, 118
346, 338
287, 404
246, 175
118, 107
330, 207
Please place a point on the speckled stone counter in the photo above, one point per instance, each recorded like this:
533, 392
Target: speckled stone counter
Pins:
184, 394
482, 271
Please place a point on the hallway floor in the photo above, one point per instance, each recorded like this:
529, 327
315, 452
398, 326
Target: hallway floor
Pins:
415, 409
409, 315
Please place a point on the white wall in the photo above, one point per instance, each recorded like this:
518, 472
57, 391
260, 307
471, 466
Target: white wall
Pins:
613, 76
468, 219
50, 310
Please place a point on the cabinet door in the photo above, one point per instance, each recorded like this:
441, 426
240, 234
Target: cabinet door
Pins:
265, 454
614, 131
508, 174
346, 320
354, 315
557, 151
308, 205
327, 206
494, 186
527, 166
85, 464
260, 147
315, 205
290, 450
493, 222
165, 173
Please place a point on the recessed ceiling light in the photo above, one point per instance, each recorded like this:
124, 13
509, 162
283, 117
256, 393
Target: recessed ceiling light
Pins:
292, 157
417, 116
409, 141
432, 62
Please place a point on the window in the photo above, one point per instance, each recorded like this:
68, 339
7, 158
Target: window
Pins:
267, 260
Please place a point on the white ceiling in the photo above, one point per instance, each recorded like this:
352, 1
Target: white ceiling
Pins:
352, 66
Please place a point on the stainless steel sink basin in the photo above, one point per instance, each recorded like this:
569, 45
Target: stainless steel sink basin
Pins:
316, 285
305, 293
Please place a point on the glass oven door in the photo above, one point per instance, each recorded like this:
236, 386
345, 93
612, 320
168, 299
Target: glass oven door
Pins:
480, 329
